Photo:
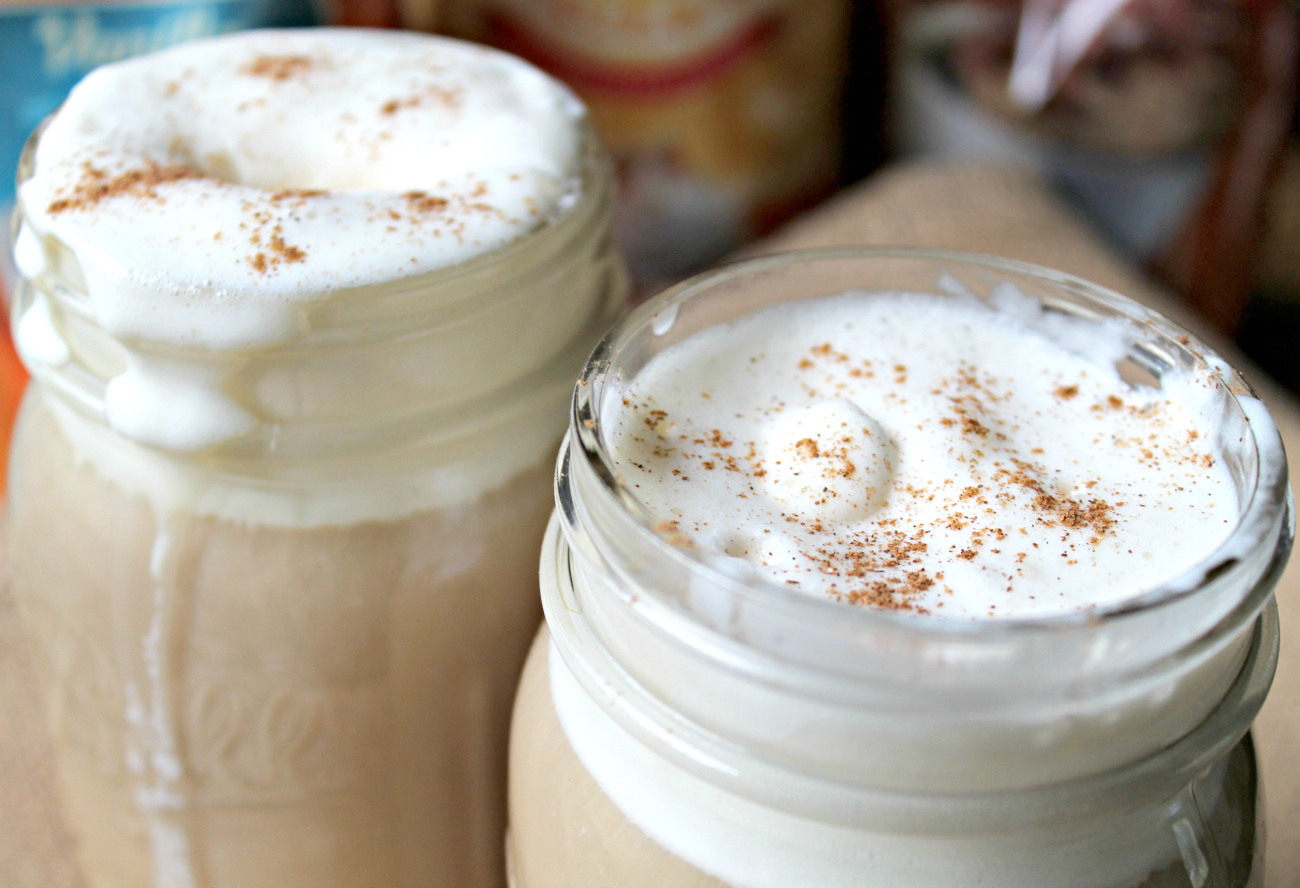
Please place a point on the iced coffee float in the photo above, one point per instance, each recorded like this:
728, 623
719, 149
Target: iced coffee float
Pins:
896, 569
302, 311
927, 454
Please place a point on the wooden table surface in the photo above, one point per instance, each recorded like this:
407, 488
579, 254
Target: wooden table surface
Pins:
979, 208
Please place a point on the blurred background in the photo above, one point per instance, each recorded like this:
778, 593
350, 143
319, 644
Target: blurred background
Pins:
1169, 125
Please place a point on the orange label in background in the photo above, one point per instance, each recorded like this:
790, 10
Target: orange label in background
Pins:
13, 382
723, 115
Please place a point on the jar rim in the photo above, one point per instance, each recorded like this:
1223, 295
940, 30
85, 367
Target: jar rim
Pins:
457, 348
587, 197
1265, 512
716, 757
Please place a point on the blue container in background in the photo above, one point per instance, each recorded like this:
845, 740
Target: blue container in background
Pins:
46, 49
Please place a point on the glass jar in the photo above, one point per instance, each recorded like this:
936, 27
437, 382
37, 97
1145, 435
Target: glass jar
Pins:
288, 659
683, 725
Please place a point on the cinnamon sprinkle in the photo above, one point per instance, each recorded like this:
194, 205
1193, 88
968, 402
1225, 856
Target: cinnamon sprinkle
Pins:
420, 202
883, 561
295, 194
97, 186
281, 253
449, 97
286, 252
278, 68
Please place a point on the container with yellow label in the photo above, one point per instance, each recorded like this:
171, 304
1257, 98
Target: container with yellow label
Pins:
723, 115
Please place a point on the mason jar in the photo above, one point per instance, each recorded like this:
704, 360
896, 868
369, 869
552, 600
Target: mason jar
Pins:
683, 724
288, 659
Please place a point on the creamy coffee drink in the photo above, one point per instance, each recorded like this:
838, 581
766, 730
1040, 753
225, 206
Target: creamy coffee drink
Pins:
887, 641
303, 310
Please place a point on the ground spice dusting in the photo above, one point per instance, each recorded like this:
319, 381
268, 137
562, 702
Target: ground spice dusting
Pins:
420, 202
96, 185
441, 95
277, 68
266, 232
671, 531
878, 563
285, 251
295, 194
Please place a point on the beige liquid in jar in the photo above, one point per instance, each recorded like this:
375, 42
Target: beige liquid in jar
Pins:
564, 828
566, 831
236, 704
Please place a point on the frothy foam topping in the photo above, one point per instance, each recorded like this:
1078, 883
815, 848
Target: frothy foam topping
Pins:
210, 191
927, 454
206, 189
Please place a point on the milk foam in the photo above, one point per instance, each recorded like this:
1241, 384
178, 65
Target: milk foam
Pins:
211, 192
171, 483
928, 454
751, 845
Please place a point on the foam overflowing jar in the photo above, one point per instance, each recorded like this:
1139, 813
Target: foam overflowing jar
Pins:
418, 371
741, 732
302, 311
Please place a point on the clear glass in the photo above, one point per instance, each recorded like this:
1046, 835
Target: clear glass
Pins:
1086, 749
288, 660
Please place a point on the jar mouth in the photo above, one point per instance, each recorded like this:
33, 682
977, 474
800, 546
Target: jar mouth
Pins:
353, 315
725, 758
1264, 520
390, 366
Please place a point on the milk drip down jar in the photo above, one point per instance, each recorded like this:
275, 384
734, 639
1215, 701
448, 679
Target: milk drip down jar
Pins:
725, 693
280, 481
